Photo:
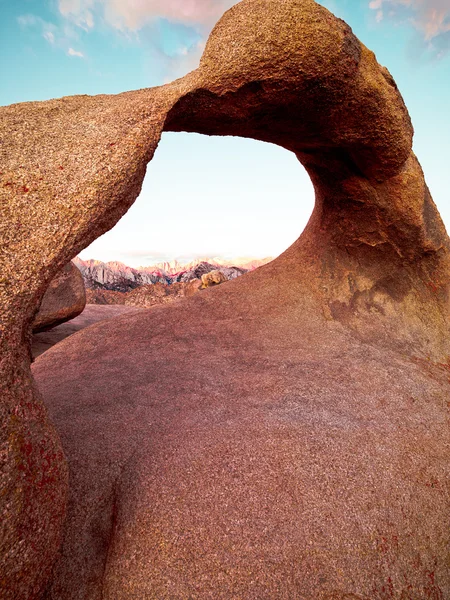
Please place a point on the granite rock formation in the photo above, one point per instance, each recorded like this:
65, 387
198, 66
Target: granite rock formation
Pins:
192, 287
203, 268
213, 278
118, 277
284, 435
145, 295
152, 295
103, 297
64, 299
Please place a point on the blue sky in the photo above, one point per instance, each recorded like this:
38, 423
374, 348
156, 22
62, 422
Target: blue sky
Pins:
205, 196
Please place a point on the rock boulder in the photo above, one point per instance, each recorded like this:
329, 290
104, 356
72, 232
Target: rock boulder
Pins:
213, 278
64, 299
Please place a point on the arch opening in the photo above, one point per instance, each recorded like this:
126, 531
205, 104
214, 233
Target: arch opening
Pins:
225, 200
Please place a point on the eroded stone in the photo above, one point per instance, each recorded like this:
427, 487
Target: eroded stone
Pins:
64, 299
284, 435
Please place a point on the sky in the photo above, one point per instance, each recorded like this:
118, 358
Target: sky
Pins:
215, 196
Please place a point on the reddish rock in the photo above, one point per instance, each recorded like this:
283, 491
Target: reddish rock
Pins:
91, 314
153, 295
105, 297
247, 452
145, 295
64, 299
203, 268
192, 287
281, 436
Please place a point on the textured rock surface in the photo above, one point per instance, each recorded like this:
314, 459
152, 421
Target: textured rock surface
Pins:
105, 297
73, 191
151, 295
284, 435
116, 276
246, 453
91, 314
204, 268
192, 287
145, 295
213, 278
64, 299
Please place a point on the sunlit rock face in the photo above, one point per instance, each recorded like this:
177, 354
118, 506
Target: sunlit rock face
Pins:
118, 277
213, 278
64, 299
280, 436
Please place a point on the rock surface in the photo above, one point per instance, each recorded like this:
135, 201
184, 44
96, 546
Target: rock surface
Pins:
281, 436
145, 295
118, 277
203, 268
212, 278
151, 295
192, 287
92, 314
247, 454
64, 299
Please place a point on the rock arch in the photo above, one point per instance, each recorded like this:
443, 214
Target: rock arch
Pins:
371, 267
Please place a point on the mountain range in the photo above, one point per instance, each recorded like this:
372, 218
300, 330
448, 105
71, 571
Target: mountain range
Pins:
117, 276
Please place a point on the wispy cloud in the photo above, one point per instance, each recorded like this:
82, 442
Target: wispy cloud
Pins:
187, 59
79, 11
171, 49
377, 5
28, 20
173, 31
32, 21
49, 36
72, 52
60, 37
430, 17
136, 14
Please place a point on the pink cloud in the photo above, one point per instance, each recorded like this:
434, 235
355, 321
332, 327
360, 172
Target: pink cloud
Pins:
135, 14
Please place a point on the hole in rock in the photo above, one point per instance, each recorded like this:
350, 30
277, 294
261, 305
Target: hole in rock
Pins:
225, 201
211, 197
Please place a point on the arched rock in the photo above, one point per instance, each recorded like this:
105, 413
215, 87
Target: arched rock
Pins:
296, 443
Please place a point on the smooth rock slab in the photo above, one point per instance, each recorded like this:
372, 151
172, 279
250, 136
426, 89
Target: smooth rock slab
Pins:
221, 452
